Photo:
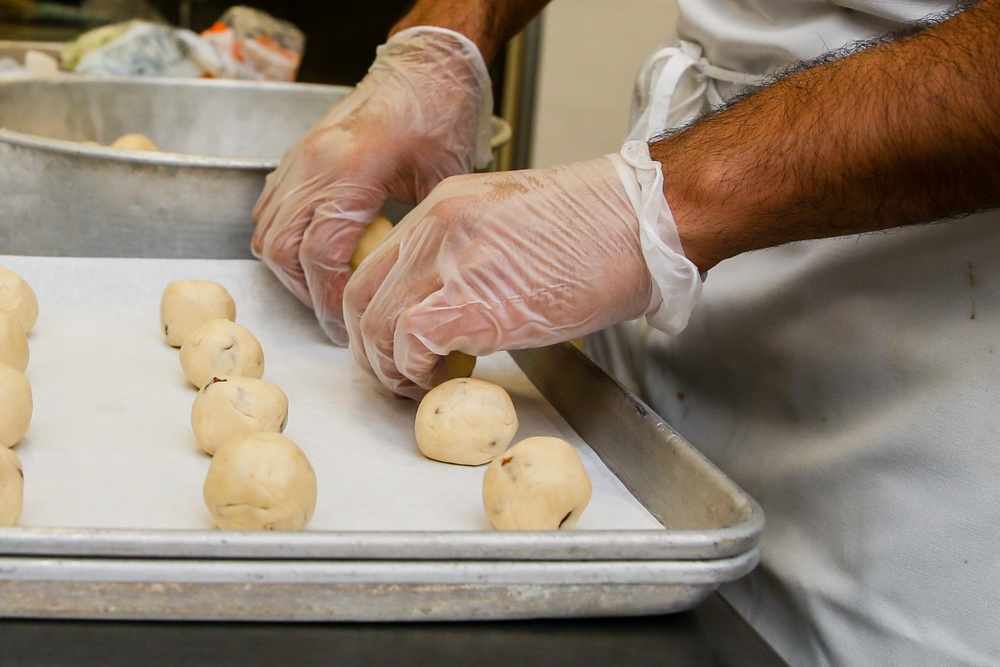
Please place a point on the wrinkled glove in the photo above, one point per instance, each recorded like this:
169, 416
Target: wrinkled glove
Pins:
421, 114
517, 260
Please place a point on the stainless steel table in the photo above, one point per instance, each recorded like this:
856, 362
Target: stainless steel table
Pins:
712, 635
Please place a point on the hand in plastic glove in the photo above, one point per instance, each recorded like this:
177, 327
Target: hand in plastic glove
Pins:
421, 114
518, 260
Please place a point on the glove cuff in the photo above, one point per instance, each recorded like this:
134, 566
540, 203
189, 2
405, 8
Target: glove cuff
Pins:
676, 280
458, 45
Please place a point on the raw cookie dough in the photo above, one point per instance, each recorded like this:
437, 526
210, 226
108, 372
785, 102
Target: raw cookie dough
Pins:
260, 481
15, 406
18, 299
11, 487
538, 484
134, 142
187, 304
218, 348
231, 406
466, 421
13, 342
460, 364
377, 230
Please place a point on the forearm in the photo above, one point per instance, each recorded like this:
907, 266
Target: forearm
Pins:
901, 133
488, 23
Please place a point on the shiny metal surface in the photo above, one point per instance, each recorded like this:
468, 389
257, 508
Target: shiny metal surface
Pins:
219, 140
711, 530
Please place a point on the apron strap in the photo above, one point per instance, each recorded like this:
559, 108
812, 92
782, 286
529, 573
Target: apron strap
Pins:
661, 77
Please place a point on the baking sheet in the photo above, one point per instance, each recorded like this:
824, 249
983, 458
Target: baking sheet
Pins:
110, 443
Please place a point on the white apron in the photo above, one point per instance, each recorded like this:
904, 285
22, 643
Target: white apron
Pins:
851, 386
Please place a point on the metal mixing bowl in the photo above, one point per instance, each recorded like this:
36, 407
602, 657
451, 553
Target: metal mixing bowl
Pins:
220, 138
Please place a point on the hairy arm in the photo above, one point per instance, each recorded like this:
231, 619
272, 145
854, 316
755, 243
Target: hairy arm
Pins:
902, 132
488, 23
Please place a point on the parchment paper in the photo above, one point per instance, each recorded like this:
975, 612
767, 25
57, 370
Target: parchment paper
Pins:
110, 443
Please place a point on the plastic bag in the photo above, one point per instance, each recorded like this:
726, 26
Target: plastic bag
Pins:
243, 44
268, 46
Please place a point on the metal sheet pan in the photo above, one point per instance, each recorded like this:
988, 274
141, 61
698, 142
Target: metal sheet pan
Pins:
709, 527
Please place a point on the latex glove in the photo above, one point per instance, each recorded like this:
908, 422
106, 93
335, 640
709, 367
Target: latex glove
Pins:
421, 114
518, 260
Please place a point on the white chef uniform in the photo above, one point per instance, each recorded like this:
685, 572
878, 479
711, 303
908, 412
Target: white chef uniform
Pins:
850, 385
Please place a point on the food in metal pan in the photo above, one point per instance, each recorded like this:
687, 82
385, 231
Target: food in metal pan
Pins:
220, 347
373, 235
134, 142
11, 487
260, 481
187, 304
15, 405
13, 342
538, 484
18, 299
231, 405
465, 421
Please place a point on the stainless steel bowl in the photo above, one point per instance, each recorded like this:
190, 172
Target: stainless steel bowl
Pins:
220, 138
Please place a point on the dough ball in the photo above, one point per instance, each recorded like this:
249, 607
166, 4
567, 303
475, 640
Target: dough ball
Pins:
15, 405
376, 231
465, 421
231, 406
460, 364
219, 348
11, 487
134, 142
538, 484
18, 299
187, 304
13, 342
260, 481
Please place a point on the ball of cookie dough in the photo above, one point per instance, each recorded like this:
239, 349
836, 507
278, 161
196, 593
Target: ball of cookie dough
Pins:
187, 304
134, 142
460, 364
11, 487
466, 421
231, 406
374, 233
13, 342
18, 299
218, 348
260, 481
538, 484
15, 405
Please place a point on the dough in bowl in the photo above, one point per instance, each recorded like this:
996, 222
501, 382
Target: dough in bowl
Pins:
466, 421
15, 405
134, 142
219, 348
18, 299
13, 342
187, 304
11, 487
233, 405
260, 481
538, 484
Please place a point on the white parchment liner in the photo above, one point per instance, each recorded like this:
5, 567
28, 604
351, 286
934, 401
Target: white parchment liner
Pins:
110, 444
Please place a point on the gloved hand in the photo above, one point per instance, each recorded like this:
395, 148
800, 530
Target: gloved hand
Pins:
421, 114
517, 260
